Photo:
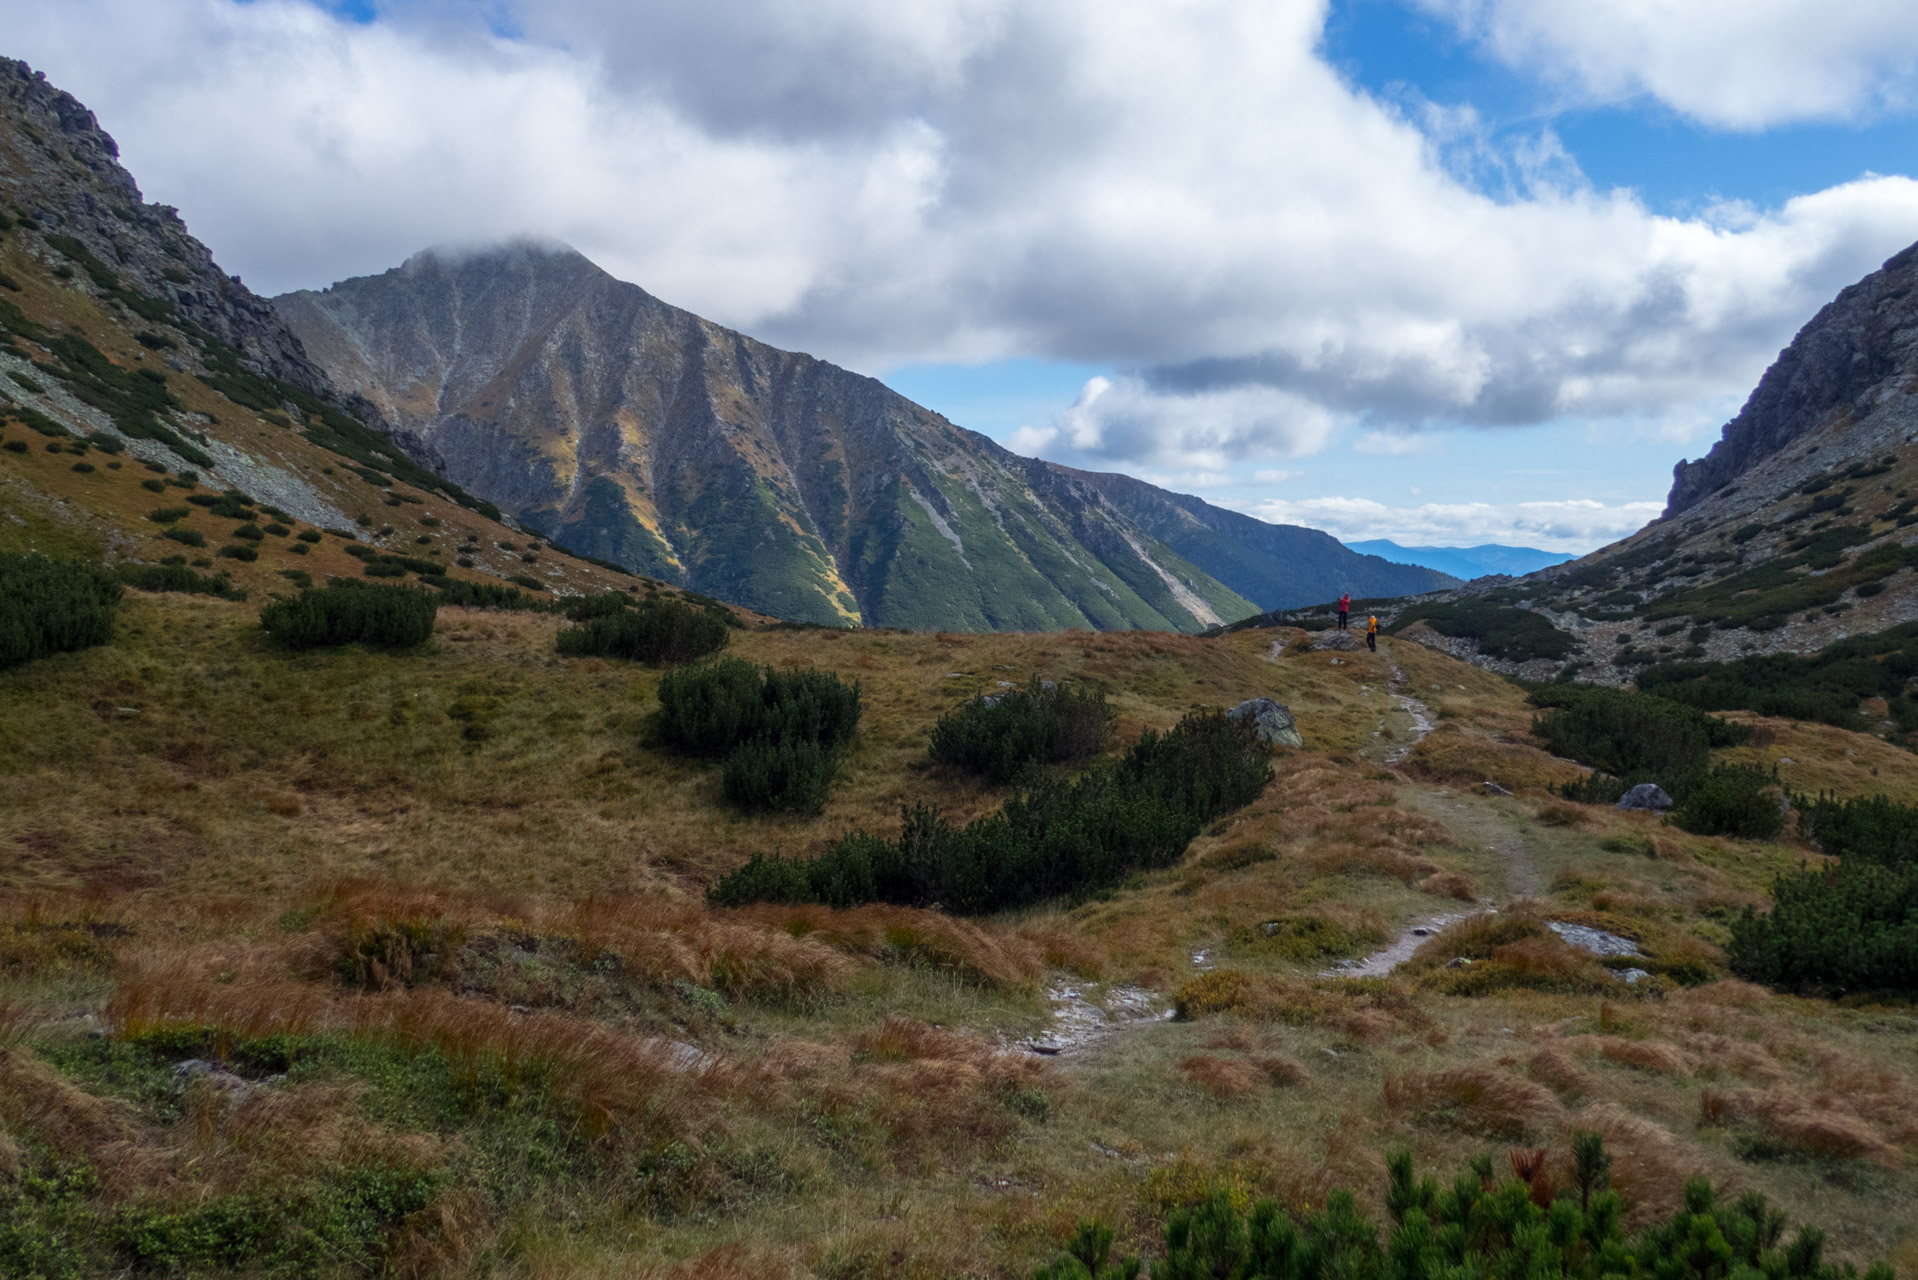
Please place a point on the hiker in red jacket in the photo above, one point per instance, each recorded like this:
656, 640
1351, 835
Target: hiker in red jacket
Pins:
1345, 610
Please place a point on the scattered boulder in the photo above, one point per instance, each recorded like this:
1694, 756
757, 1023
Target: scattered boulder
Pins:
1274, 720
1646, 795
1335, 639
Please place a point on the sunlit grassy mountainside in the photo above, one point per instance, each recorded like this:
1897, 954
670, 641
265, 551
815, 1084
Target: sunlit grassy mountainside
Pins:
640, 433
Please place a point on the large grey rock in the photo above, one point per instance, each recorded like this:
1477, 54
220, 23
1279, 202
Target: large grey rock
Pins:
1274, 719
1646, 795
1345, 641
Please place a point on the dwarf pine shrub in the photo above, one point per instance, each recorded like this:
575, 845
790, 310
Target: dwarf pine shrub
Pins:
1731, 800
1519, 1227
52, 606
789, 776
388, 617
177, 577
999, 737
1056, 839
781, 733
660, 630
1852, 928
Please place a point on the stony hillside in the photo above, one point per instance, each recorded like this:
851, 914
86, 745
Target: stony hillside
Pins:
156, 412
634, 431
1798, 529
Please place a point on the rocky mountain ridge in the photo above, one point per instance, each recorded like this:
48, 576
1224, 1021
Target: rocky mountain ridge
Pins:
136, 374
640, 433
1798, 530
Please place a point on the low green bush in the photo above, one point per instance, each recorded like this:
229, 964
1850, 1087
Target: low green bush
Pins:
1057, 839
709, 710
388, 617
1854, 928
1629, 735
308, 535
1730, 800
659, 630
1480, 1227
167, 515
779, 776
1825, 687
177, 577
1862, 830
52, 606
1502, 631
186, 537
1001, 736
238, 551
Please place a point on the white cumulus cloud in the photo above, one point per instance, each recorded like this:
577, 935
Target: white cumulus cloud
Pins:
1575, 525
1739, 64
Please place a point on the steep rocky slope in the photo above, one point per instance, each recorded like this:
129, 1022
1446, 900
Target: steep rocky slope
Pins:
135, 374
635, 431
1798, 529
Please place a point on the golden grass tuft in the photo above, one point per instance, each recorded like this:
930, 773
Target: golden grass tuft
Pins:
1553, 1067
1449, 884
1810, 1125
1476, 1098
1659, 1057
907, 935
1649, 1166
1222, 1077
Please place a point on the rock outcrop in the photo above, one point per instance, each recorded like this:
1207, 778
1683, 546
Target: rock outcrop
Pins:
1858, 340
69, 182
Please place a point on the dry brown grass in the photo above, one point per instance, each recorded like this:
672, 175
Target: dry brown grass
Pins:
1815, 1126
1649, 1166
1222, 1077
1476, 1098
1659, 1057
1366, 1011
1554, 1067
1449, 884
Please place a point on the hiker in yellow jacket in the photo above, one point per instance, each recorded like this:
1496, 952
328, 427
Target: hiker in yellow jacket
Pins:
1372, 633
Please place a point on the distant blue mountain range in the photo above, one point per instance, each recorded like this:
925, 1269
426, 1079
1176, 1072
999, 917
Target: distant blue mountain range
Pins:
1464, 562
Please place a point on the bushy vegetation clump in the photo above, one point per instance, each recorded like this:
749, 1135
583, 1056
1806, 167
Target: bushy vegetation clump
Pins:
1825, 687
1057, 839
177, 577
1629, 735
387, 617
1629, 738
52, 606
659, 630
1853, 927
1002, 735
1517, 1228
781, 733
1502, 631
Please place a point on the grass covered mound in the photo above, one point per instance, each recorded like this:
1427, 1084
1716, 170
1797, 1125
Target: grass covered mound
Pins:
1516, 635
1825, 687
1521, 1227
1060, 839
1849, 928
659, 630
386, 617
1000, 736
780, 732
53, 606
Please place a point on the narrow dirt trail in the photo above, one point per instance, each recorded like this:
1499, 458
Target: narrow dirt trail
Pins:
1481, 823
